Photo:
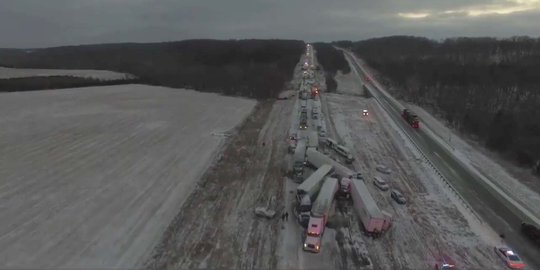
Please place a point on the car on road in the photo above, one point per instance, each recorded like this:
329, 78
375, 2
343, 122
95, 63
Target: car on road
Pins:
383, 169
322, 133
510, 258
365, 112
398, 196
444, 262
380, 183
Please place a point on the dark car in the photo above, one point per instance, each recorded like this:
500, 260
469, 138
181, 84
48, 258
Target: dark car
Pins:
398, 197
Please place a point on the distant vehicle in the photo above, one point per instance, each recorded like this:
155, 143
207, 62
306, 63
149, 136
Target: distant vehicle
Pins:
444, 262
314, 92
367, 78
531, 232
292, 146
380, 183
510, 258
397, 196
282, 98
322, 133
365, 112
411, 118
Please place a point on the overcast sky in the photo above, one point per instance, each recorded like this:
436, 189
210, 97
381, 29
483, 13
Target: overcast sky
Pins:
41, 23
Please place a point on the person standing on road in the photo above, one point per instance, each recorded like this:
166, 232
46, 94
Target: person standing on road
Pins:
286, 216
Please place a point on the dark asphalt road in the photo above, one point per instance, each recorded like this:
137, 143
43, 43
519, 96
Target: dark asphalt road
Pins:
493, 211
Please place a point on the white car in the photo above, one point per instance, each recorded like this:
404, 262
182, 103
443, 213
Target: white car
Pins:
510, 258
398, 196
365, 112
380, 183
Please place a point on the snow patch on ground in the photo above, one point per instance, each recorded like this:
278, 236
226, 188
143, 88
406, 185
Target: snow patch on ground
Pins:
91, 177
9, 73
348, 84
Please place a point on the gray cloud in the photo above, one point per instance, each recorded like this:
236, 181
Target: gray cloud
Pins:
39, 23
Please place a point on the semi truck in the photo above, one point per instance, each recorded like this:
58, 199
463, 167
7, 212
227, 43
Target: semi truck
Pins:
373, 219
314, 112
292, 146
316, 159
314, 92
411, 118
303, 95
319, 214
299, 159
310, 187
340, 149
313, 140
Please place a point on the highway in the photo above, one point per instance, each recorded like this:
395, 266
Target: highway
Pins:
492, 210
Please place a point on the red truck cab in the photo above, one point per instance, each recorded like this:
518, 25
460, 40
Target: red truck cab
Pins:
314, 233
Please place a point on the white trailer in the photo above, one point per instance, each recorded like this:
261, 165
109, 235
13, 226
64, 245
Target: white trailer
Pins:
299, 158
313, 140
321, 206
317, 159
312, 184
373, 219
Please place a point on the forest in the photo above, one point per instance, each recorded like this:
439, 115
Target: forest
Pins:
56, 82
250, 68
487, 88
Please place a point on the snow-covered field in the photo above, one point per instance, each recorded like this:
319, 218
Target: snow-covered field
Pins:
349, 83
524, 188
8, 73
91, 177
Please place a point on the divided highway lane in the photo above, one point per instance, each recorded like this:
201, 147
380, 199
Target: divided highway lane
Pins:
499, 216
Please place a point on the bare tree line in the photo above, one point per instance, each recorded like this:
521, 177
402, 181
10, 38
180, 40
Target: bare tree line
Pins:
250, 68
485, 87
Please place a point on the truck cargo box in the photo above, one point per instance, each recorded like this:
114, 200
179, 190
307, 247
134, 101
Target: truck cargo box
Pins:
372, 218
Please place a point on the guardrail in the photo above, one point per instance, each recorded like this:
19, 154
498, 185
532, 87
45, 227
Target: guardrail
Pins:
424, 156
522, 212
441, 176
